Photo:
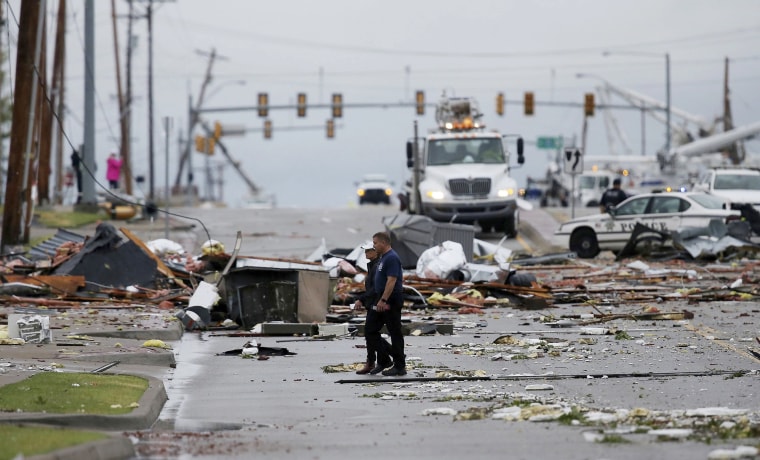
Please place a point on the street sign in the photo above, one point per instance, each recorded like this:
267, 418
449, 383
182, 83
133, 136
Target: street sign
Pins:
573, 158
549, 142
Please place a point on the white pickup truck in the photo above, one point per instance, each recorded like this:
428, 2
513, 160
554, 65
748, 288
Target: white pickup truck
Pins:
736, 185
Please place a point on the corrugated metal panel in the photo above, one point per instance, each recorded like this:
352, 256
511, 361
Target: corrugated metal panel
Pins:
462, 234
46, 249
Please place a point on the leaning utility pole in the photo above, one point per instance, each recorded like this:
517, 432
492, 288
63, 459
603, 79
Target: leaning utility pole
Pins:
16, 190
192, 122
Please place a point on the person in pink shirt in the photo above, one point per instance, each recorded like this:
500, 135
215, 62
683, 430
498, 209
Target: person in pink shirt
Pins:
114, 171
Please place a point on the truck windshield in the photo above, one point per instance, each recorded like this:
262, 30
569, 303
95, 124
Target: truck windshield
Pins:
459, 151
737, 182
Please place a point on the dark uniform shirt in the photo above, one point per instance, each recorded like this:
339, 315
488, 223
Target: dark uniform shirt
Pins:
612, 197
390, 265
369, 297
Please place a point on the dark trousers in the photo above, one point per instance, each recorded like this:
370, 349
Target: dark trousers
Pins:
392, 321
378, 349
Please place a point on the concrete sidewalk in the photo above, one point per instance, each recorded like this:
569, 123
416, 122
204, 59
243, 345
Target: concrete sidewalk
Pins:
99, 341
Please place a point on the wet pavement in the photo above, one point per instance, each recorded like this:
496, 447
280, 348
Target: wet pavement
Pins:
621, 389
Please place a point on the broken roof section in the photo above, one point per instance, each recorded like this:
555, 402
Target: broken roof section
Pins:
112, 259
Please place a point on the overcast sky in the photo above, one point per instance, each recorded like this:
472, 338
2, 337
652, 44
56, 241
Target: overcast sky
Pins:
381, 52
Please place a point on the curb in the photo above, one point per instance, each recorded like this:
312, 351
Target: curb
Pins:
151, 403
114, 448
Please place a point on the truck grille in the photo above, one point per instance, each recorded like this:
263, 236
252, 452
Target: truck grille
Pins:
479, 186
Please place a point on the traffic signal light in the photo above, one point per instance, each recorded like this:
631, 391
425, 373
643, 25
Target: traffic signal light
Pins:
205, 144
419, 98
263, 105
337, 105
217, 130
500, 104
588, 106
267, 129
330, 128
528, 103
301, 105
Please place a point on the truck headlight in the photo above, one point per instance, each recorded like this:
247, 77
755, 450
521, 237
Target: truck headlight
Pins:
435, 194
505, 192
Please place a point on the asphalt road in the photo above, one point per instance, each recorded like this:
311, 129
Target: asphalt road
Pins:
660, 375
546, 389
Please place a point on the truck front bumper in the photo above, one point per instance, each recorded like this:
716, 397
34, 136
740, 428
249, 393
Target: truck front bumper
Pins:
468, 212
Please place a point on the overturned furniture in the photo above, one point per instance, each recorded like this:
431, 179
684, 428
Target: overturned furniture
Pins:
261, 290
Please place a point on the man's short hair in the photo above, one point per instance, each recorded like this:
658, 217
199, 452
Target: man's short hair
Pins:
382, 237
616, 182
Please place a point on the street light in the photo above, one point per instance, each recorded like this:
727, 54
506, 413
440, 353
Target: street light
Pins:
667, 87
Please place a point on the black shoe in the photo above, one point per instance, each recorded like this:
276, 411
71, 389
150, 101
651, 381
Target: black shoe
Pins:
394, 372
366, 369
379, 368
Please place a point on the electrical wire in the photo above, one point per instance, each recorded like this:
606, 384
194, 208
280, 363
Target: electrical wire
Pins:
48, 100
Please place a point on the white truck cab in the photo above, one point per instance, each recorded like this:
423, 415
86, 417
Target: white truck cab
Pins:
736, 185
461, 172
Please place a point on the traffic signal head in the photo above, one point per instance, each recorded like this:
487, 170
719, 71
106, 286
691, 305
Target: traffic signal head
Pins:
529, 103
330, 128
419, 98
267, 129
200, 144
337, 105
301, 105
217, 130
211, 145
263, 105
588, 105
500, 104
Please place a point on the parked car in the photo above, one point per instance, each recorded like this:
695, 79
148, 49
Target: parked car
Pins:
665, 212
374, 188
736, 185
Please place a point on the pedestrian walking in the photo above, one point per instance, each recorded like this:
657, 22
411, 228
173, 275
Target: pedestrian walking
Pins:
389, 285
377, 359
113, 171
612, 196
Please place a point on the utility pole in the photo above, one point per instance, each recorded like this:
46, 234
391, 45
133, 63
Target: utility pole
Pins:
124, 150
89, 200
128, 97
26, 81
57, 97
151, 151
151, 161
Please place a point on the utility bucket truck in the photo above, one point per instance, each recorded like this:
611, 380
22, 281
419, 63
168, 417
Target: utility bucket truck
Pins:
461, 173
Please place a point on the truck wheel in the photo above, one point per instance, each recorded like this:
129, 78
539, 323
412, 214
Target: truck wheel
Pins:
583, 242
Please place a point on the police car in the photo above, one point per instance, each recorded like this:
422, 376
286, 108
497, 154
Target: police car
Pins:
665, 212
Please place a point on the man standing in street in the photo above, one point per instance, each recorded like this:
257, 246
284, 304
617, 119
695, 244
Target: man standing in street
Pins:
389, 284
373, 323
612, 196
